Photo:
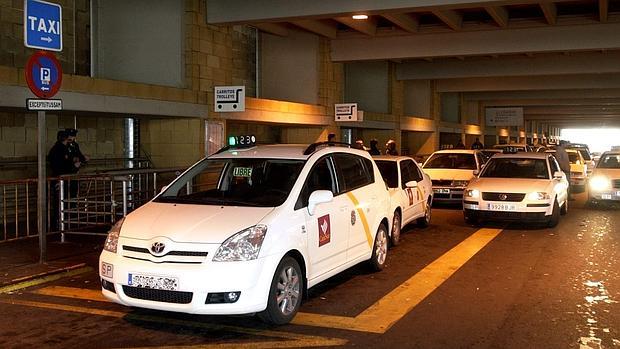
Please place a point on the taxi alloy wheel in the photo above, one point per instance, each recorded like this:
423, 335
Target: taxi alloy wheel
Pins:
425, 220
379, 251
396, 229
285, 293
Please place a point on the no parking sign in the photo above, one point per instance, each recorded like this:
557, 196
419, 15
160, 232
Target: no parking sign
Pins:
43, 74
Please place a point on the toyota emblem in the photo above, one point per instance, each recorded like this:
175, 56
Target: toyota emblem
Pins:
503, 197
157, 247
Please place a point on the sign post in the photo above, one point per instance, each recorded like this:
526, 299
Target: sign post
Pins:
43, 30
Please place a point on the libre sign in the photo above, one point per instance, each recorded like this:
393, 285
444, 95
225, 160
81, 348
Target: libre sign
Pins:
42, 25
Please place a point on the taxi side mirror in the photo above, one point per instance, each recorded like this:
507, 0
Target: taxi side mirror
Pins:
558, 175
476, 173
411, 184
319, 197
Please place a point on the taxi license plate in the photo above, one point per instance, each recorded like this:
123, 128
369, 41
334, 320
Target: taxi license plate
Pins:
502, 207
606, 196
441, 191
152, 281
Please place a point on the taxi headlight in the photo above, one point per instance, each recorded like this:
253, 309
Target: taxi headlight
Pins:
243, 246
111, 242
460, 183
538, 195
600, 183
472, 193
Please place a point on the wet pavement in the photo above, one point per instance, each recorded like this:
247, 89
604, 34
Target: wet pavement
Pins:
529, 287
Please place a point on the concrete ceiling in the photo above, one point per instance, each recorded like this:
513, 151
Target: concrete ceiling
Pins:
559, 59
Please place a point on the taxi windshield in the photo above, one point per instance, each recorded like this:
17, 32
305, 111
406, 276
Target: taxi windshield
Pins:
389, 172
235, 182
609, 161
516, 168
460, 161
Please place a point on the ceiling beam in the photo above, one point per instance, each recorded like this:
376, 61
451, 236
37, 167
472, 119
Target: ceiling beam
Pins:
527, 83
550, 11
366, 26
273, 28
508, 41
603, 10
451, 18
499, 15
320, 27
244, 11
548, 64
404, 21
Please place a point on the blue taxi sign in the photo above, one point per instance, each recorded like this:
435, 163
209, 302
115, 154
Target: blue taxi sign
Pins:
42, 25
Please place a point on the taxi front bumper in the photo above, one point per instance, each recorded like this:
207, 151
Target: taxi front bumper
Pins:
606, 195
448, 194
530, 211
195, 282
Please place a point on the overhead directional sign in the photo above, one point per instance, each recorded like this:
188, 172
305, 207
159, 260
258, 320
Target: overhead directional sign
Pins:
509, 116
43, 74
229, 98
42, 25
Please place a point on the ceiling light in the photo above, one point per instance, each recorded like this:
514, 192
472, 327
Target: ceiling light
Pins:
360, 17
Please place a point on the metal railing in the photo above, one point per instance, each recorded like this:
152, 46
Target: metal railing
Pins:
78, 204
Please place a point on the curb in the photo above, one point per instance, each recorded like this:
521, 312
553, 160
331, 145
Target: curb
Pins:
37, 279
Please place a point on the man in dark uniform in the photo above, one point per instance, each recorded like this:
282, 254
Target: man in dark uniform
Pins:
74, 149
61, 163
477, 144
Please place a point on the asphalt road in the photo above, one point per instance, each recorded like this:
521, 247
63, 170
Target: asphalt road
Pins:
450, 285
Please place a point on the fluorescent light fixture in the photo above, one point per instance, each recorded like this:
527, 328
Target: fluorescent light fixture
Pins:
360, 16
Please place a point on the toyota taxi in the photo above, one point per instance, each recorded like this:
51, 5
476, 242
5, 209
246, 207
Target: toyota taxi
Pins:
411, 192
518, 187
249, 230
605, 180
450, 172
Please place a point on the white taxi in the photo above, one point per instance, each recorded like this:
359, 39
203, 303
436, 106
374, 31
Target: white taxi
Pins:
411, 192
450, 172
518, 187
249, 230
605, 180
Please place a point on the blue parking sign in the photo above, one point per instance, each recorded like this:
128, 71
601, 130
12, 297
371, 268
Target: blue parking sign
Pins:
42, 25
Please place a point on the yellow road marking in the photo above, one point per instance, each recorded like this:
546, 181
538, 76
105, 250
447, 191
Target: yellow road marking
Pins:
73, 292
384, 313
360, 211
42, 280
291, 340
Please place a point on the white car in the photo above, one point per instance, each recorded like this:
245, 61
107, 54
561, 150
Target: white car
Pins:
451, 171
249, 230
411, 192
605, 180
518, 187
578, 168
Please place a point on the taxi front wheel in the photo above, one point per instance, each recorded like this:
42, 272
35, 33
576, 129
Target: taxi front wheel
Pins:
285, 293
379, 250
554, 219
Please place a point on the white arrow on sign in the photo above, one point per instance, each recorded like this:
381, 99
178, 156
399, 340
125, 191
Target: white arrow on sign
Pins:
48, 39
